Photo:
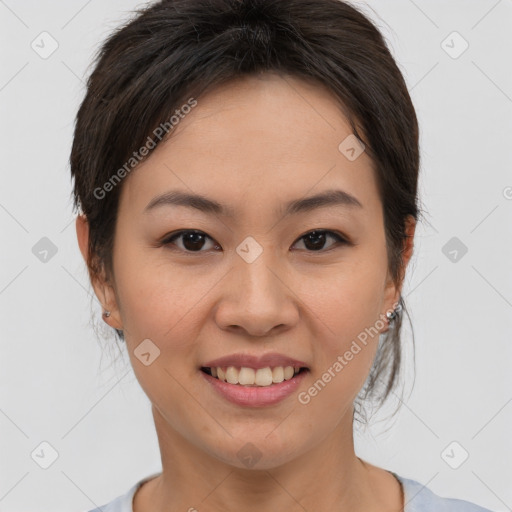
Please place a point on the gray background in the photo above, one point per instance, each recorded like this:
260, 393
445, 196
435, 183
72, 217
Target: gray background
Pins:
58, 384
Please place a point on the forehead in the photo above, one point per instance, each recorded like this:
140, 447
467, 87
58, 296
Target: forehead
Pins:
256, 140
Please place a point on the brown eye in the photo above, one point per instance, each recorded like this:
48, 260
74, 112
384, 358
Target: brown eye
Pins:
192, 241
315, 240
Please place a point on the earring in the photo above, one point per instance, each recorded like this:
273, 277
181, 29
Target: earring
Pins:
106, 313
393, 314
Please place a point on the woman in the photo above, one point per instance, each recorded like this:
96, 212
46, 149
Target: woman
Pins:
246, 173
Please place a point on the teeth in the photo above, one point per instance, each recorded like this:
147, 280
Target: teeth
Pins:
278, 374
288, 372
246, 376
232, 375
251, 377
263, 377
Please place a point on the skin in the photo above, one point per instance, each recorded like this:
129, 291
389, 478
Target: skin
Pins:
253, 145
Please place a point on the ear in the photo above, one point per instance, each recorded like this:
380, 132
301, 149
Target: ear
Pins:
103, 290
392, 293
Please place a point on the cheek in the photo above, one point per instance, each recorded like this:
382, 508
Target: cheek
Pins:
349, 299
347, 309
155, 295
166, 304
346, 348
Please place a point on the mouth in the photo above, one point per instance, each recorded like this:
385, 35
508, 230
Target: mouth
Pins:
254, 377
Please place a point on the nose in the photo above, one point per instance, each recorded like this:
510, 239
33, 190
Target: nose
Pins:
257, 299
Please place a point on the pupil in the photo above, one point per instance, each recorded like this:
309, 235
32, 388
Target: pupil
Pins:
317, 237
194, 238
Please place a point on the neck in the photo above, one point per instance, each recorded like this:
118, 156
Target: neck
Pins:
327, 476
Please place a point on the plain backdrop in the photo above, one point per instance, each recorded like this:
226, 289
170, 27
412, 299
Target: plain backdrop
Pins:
64, 404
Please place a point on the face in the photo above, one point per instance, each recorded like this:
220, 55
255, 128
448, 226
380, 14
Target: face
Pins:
257, 277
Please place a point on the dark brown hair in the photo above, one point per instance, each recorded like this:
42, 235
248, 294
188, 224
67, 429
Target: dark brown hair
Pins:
177, 49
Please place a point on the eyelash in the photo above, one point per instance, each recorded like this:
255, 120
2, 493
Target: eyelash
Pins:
341, 241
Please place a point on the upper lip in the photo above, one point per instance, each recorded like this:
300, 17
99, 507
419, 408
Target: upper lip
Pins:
251, 361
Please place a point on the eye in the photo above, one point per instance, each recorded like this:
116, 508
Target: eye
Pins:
194, 241
315, 240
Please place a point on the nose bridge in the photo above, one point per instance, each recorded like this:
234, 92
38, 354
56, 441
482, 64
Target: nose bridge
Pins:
257, 299
256, 271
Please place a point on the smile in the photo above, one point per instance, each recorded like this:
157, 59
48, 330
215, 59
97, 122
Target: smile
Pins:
252, 394
254, 377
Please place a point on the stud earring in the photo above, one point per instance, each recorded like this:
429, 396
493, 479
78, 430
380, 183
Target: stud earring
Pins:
391, 315
106, 313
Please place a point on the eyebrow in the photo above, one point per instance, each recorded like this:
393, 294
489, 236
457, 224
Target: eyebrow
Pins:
206, 205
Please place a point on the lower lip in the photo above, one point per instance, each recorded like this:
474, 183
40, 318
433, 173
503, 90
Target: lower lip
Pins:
255, 396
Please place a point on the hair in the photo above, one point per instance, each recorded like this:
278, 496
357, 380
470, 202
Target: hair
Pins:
173, 50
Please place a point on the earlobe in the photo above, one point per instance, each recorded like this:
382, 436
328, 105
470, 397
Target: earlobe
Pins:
106, 296
102, 289
394, 292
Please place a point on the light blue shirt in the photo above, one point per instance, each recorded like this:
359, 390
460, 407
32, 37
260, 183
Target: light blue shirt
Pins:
418, 498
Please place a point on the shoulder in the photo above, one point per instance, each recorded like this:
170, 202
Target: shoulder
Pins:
117, 505
419, 498
124, 502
